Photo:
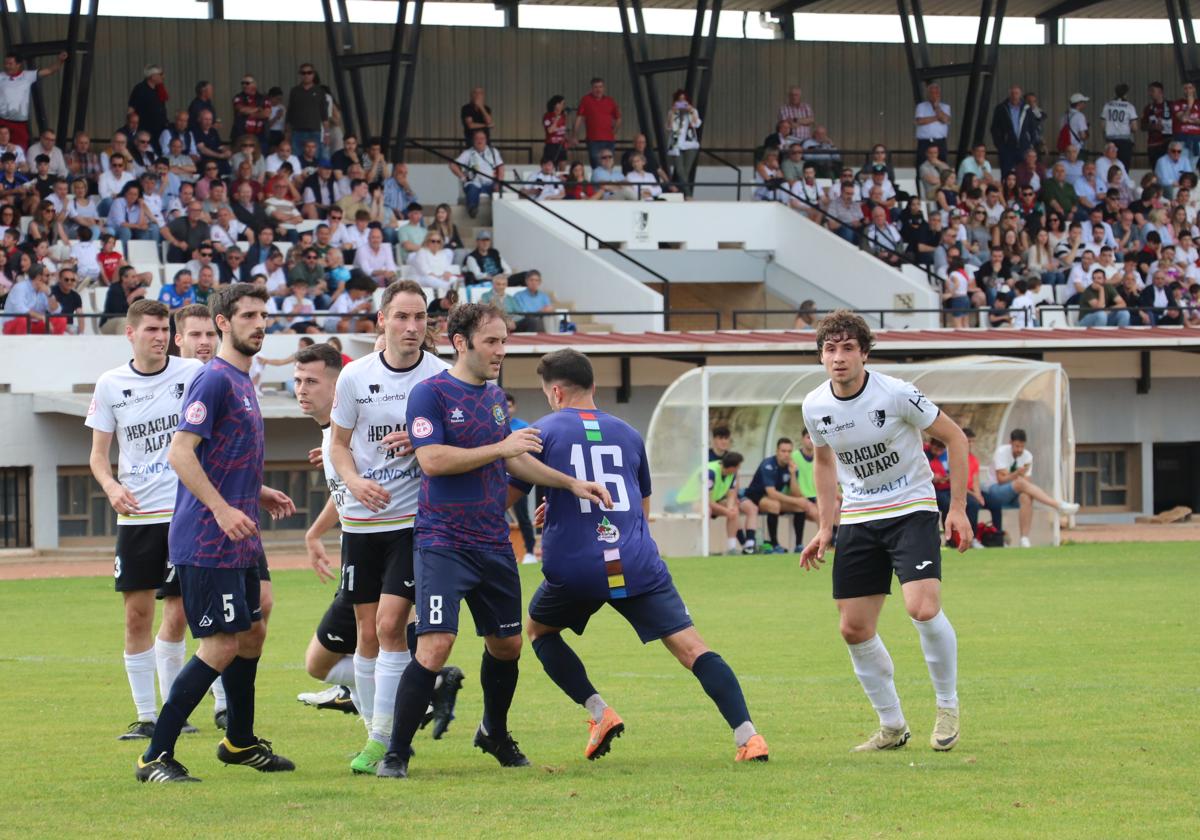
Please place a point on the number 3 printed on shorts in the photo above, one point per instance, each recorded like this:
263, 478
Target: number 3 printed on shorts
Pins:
227, 606
435, 609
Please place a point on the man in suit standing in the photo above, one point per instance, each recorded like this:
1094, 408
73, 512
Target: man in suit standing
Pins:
1013, 129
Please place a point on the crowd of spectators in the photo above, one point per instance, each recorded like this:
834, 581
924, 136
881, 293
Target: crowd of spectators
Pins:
283, 198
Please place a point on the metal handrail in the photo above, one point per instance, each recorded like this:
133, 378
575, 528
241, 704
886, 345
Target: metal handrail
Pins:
1031, 312
728, 163
588, 235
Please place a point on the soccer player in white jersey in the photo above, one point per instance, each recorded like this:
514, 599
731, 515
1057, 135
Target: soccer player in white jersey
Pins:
195, 332
866, 429
370, 449
139, 402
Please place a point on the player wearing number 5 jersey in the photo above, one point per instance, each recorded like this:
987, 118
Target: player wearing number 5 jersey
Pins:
866, 429
139, 403
594, 556
458, 424
217, 452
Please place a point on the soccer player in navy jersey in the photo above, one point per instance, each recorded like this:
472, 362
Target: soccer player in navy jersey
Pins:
217, 452
592, 557
458, 424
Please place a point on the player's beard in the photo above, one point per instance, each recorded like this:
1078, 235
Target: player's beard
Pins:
244, 346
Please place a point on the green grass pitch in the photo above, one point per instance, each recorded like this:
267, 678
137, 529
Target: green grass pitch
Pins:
1079, 678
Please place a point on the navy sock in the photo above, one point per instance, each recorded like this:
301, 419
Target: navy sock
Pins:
410, 634
752, 536
187, 691
239, 692
412, 699
773, 528
722, 686
563, 666
798, 520
498, 678
741, 536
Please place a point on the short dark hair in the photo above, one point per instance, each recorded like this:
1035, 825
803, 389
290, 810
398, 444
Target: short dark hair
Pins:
466, 319
1017, 434
568, 367
595, 79
782, 441
721, 431
400, 287
843, 322
143, 308
225, 299
732, 459
326, 353
192, 310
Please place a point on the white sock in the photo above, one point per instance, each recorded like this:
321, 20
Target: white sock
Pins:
940, 645
218, 690
342, 672
139, 667
170, 656
744, 733
873, 667
732, 543
364, 684
595, 707
388, 670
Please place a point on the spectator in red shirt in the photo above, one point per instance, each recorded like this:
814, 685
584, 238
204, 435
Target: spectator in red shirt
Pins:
1185, 121
554, 122
599, 112
935, 451
252, 112
1155, 121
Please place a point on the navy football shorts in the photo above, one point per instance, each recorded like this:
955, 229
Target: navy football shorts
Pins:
219, 600
487, 580
653, 615
170, 586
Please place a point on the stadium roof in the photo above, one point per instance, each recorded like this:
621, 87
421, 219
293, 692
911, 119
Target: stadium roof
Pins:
959, 8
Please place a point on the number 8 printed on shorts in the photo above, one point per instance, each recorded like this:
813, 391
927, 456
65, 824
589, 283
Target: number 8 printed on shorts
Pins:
435, 609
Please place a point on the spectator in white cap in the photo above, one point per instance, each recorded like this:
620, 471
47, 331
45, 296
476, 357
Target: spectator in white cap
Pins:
1073, 130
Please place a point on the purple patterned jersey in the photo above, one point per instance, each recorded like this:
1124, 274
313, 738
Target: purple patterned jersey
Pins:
465, 510
222, 408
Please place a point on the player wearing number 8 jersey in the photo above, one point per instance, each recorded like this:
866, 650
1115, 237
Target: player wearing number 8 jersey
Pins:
866, 429
458, 424
370, 450
593, 556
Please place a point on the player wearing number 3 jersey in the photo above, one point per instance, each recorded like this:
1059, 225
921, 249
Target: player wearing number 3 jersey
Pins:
866, 429
593, 556
458, 424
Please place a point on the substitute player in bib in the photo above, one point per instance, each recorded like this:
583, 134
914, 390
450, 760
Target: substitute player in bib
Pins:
459, 427
217, 452
140, 402
592, 557
370, 449
866, 429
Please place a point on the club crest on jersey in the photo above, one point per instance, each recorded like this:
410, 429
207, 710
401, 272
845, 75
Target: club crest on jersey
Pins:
606, 532
421, 428
878, 418
195, 414
246, 402
456, 415
177, 391
498, 414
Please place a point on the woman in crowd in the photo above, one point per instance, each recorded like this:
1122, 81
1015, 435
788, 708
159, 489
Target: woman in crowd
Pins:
577, 186
554, 124
433, 264
768, 176
1041, 262
683, 141
443, 225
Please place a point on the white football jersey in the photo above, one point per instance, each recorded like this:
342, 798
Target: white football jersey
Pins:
371, 399
1117, 115
876, 436
142, 412
337, 487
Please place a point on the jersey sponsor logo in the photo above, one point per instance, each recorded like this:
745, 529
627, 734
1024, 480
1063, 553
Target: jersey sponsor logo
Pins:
373, 388
177, 391
204, 621
867, 461
606, 532
127, 393
456, 415
498, 414
878, 417
422, 428
196, 413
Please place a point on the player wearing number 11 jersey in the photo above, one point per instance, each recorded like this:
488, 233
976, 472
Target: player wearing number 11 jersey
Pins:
593, 556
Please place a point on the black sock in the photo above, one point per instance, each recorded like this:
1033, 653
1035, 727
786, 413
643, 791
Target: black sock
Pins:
741, 537
773, 528
498, 679
410, 634
563, 666
239, 692
187, 691
798, 520
412, 699
751, 535
722, 686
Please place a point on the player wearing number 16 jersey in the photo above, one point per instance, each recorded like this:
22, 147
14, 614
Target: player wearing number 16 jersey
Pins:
866, 429
593, 556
